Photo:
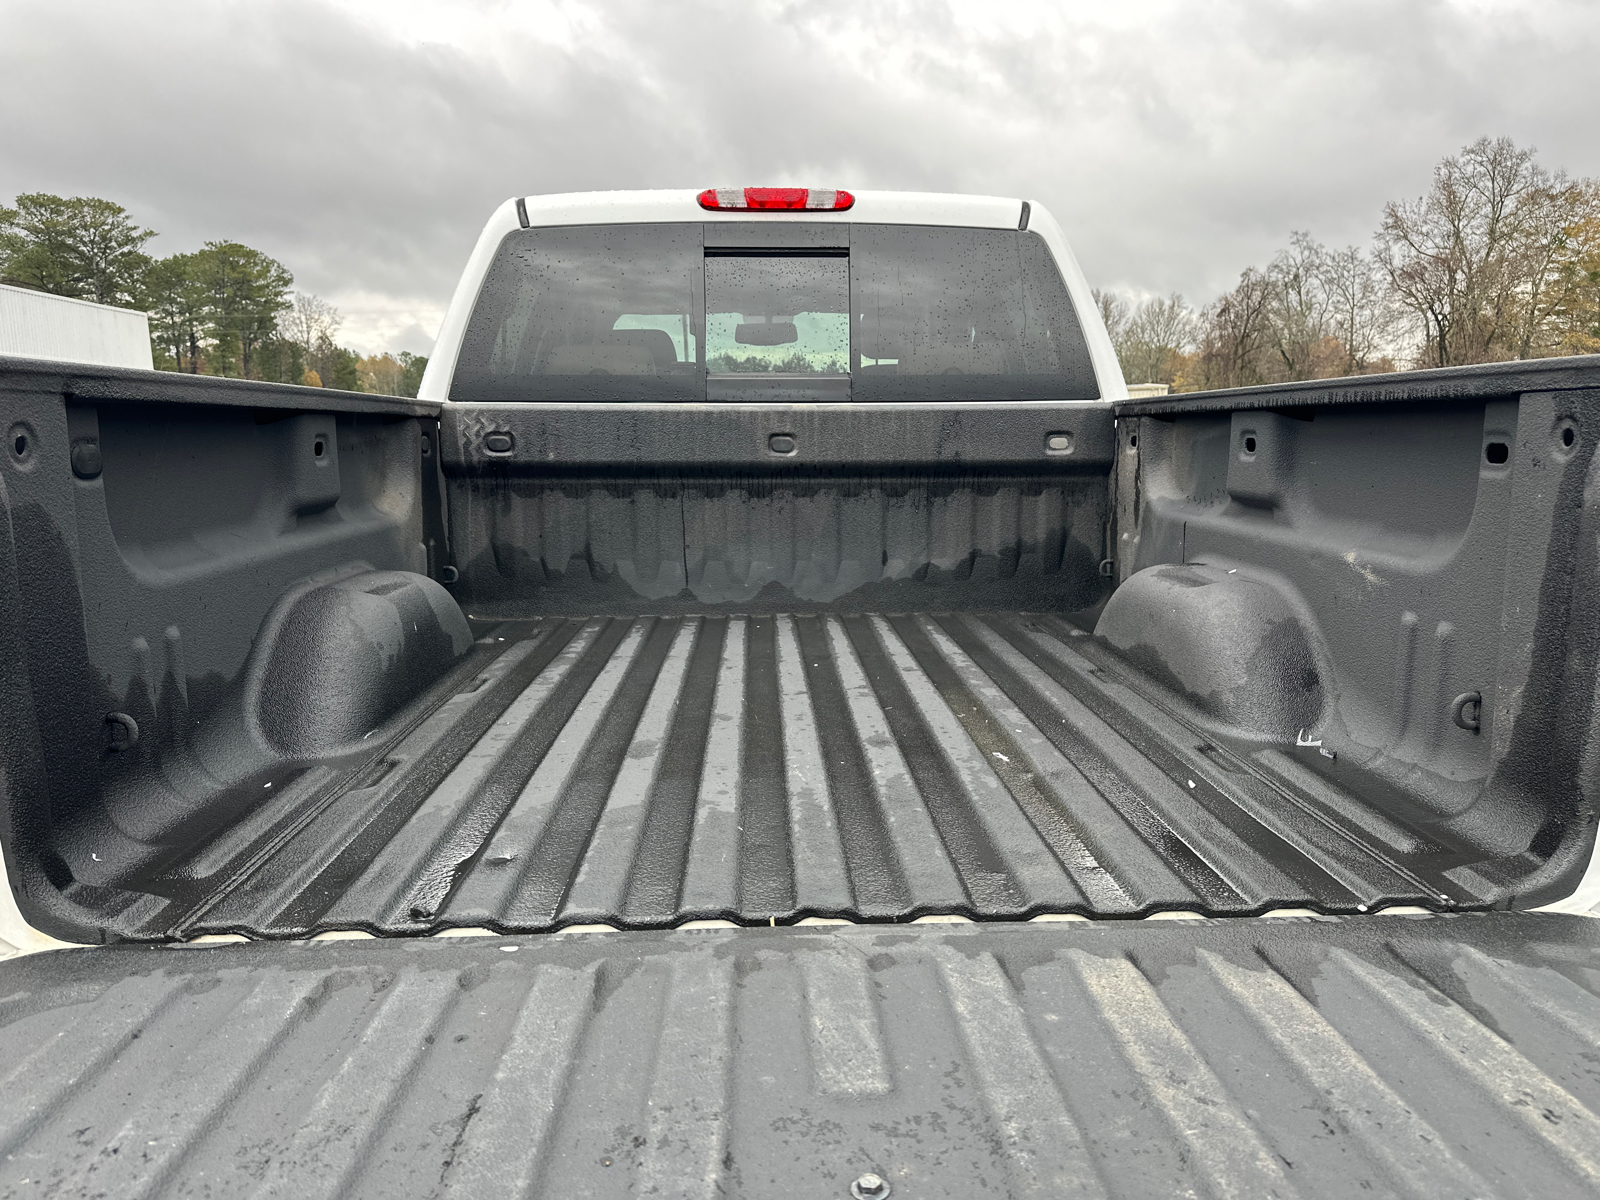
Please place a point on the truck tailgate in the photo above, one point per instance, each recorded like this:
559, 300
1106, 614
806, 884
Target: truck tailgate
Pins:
1421, 1056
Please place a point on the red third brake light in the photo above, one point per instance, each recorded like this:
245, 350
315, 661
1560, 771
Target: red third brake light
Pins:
774, 199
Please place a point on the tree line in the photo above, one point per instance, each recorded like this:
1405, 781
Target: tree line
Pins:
224, 309
1499, 260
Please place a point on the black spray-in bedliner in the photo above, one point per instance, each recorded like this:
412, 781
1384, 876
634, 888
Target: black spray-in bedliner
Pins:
1332, 1057
640, 772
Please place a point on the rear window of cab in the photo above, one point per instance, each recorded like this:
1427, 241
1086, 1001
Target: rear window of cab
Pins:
684, 312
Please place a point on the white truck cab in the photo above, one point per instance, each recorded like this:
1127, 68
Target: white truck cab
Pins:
772, 294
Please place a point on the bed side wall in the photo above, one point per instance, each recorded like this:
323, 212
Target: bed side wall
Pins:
1437, 559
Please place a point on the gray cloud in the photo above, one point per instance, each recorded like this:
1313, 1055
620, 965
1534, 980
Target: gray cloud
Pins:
364, 144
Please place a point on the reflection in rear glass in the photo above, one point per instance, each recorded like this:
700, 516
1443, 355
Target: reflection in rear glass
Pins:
787, 315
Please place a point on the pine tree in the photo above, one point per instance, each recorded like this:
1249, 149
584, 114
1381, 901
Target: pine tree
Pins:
82, 246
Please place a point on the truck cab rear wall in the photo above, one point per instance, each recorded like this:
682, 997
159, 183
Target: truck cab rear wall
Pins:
1103, 376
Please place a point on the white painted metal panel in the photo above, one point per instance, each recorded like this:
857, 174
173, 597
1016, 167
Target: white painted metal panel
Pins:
870, 208
39, 325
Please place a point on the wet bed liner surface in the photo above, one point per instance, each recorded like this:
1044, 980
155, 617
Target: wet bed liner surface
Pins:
1310, 1057
643, 771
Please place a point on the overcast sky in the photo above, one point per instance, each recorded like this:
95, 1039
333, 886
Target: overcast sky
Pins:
363, 143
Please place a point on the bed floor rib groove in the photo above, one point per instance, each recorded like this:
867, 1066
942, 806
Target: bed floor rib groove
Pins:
765, 880
1090, 885
655, 882
550, 867
987, 876
430, 864
1157, 852
644, 771
869, 853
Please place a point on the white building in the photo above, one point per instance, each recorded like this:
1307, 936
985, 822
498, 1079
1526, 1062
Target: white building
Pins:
1143, 391
39, 325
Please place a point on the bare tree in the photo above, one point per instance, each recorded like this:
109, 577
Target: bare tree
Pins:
1501, 259
1114, 312
1472, 260
310, 322
1234, 333
1298, 308
1152, 342
1361, 309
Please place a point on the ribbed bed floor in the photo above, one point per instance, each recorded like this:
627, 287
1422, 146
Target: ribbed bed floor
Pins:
1384, 1057
640, 772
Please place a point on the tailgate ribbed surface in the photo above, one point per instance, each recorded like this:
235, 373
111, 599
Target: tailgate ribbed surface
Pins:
643, 771
1378, 1056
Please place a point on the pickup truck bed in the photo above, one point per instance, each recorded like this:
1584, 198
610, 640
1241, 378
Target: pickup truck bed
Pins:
283, 662
883, 677
876, 679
